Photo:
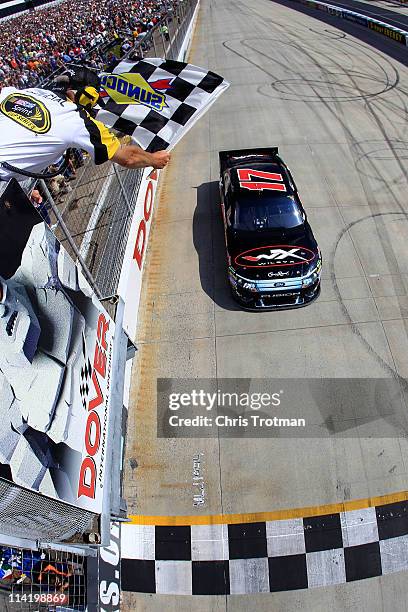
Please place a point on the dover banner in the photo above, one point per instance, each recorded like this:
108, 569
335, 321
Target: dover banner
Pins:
55, 363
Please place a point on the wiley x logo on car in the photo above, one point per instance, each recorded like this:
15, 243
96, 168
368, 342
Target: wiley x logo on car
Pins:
266, 256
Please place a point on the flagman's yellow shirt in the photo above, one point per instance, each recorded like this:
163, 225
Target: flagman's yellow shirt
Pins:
37, 126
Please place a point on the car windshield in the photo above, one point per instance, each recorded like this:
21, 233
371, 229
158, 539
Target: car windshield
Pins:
261, 213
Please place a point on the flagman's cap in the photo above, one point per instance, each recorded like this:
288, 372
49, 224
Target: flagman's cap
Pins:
75, 77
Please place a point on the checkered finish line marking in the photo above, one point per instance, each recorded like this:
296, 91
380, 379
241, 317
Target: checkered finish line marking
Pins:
266, 555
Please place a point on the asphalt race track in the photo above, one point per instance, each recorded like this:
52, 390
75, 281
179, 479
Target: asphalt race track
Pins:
337, 109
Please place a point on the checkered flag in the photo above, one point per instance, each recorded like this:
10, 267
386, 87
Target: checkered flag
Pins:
86, 373
156, 101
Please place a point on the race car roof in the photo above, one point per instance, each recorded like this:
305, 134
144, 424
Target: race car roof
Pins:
267, 178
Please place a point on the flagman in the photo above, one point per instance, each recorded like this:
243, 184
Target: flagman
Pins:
38, 125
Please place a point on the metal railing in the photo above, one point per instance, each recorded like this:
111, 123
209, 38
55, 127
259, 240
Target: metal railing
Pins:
90, 207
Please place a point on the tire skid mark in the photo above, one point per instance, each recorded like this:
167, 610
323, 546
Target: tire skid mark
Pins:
390, 84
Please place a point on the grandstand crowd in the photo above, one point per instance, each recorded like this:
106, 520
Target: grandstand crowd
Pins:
35, 43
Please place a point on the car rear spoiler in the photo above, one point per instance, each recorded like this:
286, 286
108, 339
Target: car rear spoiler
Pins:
229, 158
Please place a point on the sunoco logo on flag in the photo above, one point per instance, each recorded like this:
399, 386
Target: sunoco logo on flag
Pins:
132, 88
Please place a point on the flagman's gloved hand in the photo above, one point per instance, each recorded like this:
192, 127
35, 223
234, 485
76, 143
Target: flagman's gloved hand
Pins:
132, 156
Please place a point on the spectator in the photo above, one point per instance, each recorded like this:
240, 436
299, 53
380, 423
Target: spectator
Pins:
25, 145
58, 185
49, 37
38, 203
165, 31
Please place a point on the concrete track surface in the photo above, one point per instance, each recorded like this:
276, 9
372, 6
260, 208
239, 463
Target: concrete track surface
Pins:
337, 108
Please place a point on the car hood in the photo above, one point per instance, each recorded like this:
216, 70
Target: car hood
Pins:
261, 256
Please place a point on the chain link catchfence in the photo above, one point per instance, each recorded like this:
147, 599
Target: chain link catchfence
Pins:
90, 208
42, 579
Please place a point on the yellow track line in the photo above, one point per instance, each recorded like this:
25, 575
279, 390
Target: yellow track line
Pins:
254, 517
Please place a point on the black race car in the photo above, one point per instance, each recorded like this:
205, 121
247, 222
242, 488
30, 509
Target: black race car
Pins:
273, 258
